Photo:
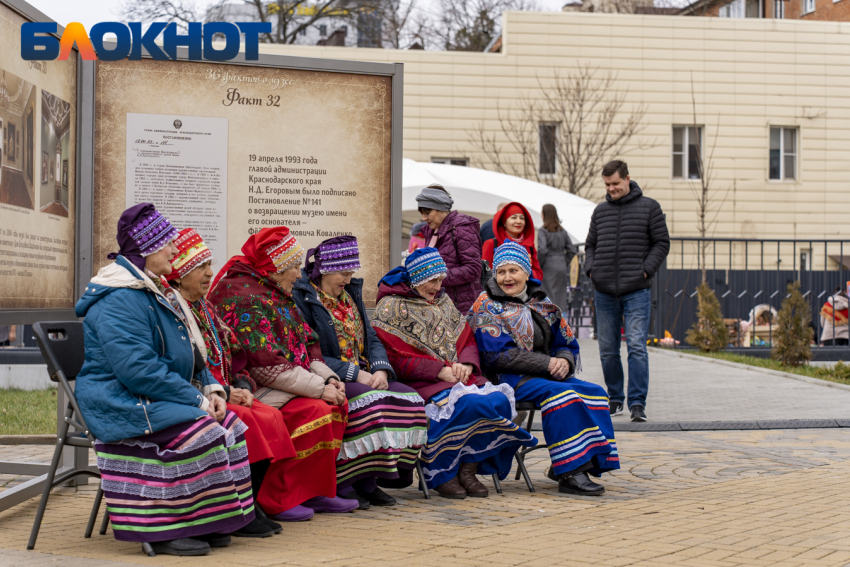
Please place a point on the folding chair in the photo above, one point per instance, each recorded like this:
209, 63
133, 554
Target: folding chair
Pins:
62, 347
530, 407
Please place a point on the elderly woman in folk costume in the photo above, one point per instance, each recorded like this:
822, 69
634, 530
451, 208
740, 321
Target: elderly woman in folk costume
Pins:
253, 295
152, 405
525, 343
386, 419
267, 438
432, 349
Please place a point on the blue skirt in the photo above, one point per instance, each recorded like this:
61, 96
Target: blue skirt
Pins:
576, 423
479, 430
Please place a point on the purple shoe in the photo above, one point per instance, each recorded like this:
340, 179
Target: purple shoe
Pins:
335, 505
297, 514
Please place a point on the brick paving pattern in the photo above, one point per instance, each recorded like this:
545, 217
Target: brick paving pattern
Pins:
695, 499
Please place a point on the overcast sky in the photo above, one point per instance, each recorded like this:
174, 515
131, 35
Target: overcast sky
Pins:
90, 12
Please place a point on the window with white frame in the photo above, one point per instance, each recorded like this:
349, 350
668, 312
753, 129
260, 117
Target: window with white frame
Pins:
548, 135
783, 153
687, 152
741, 9
808, 6
450, 161
779, 9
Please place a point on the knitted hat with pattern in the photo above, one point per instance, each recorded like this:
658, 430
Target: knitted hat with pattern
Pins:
512, 253
423, 265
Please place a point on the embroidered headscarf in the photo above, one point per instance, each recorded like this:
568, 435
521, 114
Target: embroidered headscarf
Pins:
422, 265
192, 252
338, 254
272, 250
142, 231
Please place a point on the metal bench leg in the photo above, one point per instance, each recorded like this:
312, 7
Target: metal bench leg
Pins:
105, 523
497, 483
146, 547
94, 510
48, 484
422, 486
520, 456
521, 469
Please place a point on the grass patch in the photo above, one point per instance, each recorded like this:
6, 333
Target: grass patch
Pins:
27, 412
839, 373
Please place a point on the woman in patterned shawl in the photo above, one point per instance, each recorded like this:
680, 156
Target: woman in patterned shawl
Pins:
432, 349
269, 445
526, 343
386, 419
253, 295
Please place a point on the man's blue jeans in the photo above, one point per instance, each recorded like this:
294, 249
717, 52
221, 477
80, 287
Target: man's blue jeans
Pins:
610, 311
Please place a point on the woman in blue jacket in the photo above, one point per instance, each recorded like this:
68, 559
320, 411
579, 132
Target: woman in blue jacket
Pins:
386, 419
173, 461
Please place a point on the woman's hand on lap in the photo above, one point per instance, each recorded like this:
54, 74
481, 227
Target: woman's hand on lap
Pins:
381, 380
366, 378
217, 407
241, 397
559, 367
447, 375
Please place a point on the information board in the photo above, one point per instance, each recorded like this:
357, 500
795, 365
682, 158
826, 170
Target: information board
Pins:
38, 108
229, 149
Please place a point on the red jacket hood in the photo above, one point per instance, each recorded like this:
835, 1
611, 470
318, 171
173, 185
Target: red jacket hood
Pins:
527, 233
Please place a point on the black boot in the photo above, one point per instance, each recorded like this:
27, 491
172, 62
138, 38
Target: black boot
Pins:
215, 540
581, 485
261, 515
184, 546
255, 529
377, 497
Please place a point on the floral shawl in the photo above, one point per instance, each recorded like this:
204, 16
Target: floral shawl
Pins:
350, 332
266, 322
503, 326
221, 345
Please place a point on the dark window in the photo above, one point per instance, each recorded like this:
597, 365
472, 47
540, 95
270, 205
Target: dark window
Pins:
782, 163
687, 150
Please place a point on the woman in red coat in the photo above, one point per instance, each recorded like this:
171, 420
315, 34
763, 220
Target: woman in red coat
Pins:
513, 223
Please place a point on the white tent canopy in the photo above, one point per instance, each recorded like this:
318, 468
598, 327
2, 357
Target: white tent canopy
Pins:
479, 192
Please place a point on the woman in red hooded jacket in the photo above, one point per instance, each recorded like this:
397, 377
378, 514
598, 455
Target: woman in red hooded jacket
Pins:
513, 222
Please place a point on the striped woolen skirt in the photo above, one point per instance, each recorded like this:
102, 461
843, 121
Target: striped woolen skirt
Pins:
471, 424
187, 480
386, 429
576, 423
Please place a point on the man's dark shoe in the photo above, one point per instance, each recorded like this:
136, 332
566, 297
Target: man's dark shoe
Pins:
263, 517
615, 408
215, 540
452, 489
376, 498
183, 547
580, 485
255, 529
638, 414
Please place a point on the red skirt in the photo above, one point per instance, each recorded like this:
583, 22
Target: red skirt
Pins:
316, 429
267, 436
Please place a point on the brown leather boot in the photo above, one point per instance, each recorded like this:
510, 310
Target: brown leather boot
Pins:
452, 489
470, 482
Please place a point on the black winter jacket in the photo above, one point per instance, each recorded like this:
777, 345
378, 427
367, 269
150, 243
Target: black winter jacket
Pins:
627, 238
320, 321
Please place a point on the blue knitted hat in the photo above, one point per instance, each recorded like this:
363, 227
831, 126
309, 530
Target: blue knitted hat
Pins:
424, 264
512, 253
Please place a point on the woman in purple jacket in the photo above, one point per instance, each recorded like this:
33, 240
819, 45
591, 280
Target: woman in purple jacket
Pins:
456, 236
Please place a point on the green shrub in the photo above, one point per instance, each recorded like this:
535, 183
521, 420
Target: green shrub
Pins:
793, 336
709, 333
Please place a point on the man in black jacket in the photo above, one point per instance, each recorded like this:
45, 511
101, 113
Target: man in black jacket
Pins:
626, 245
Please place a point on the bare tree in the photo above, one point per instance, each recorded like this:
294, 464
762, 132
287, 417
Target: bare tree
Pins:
564, 133
470, 25
709, 200
288, 19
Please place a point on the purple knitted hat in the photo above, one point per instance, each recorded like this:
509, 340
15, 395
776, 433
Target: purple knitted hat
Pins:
338, 254
142, 230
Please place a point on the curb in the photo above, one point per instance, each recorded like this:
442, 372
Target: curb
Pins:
741, 366
27, 439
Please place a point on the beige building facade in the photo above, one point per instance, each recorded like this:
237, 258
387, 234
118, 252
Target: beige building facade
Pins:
753, 80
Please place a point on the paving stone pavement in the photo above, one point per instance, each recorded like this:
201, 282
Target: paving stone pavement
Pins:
683, 389
724, 499
701, 499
